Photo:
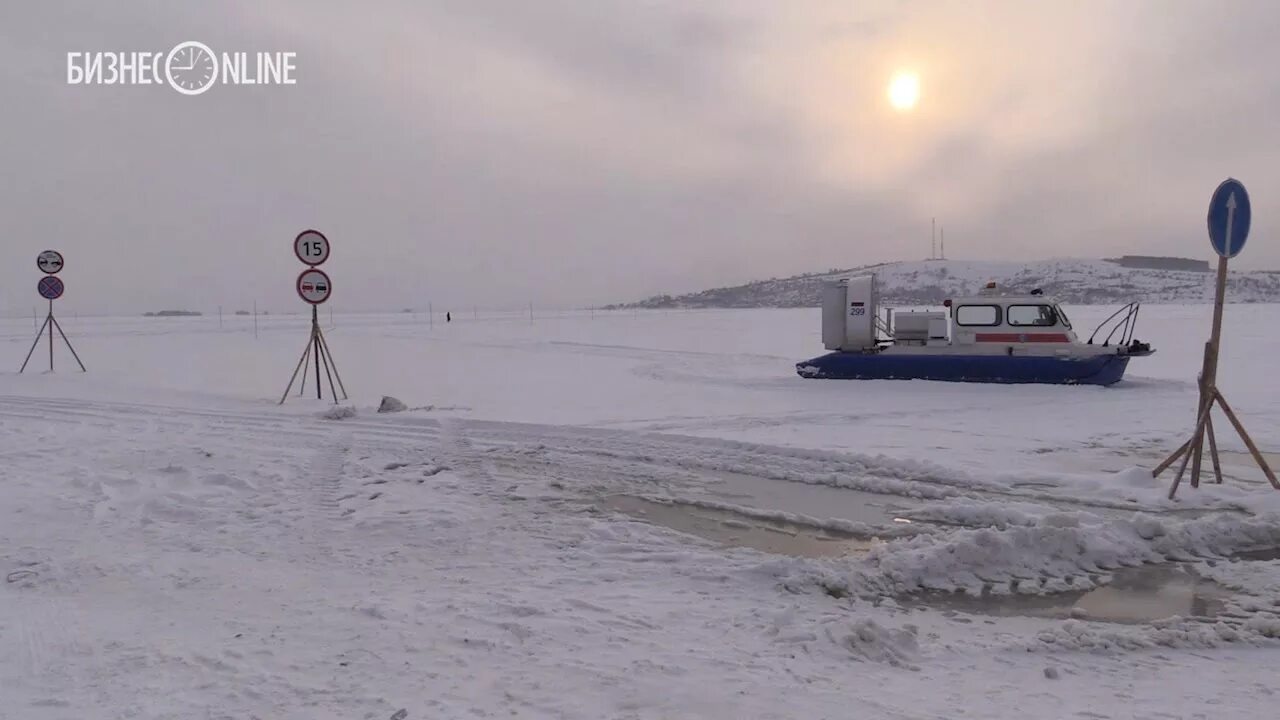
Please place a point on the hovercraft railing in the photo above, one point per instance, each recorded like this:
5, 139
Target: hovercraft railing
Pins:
1123, 321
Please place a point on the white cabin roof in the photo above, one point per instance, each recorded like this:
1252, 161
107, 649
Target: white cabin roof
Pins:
1005, 300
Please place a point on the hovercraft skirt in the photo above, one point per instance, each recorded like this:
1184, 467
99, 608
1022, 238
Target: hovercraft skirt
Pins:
1095, 370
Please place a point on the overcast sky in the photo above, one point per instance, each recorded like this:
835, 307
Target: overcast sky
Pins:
575, 152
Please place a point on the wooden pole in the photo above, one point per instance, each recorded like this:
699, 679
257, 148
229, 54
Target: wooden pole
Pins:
306, 368
1171, 459
1248, 441
39, 334
1206, 398
1213, 450
1209, 377
74, 354
315, 338
301, 360
1195, 436
325, 345
324, 358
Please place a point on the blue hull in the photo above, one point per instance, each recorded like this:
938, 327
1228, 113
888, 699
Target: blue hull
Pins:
1097, 370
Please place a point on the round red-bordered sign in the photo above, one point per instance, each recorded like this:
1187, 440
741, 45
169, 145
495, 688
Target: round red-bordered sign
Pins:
314, 286
311, 247
50, 262
50, 287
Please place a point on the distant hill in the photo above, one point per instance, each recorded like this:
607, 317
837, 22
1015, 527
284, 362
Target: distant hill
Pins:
928, 282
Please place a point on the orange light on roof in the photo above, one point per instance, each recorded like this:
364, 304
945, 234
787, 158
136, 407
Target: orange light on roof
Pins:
991, 285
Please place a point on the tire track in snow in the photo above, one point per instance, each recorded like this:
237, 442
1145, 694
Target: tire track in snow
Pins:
46, 628
316, 500
610, 450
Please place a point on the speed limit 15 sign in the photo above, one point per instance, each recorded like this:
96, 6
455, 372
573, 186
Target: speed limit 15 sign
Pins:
311, 247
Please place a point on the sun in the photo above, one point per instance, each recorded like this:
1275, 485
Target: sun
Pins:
904, 91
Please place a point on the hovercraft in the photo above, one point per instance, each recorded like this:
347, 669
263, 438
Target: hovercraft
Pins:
989, 338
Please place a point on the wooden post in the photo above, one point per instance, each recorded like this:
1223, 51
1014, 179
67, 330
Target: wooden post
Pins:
57, 325
324, 344
1206, 398
1195, 436
1171, 459
315, 338
306, 368
1213, 450
1248, 441
1209, 376
39, 334
305, 354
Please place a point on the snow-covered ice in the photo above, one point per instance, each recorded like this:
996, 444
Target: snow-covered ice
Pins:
175, 545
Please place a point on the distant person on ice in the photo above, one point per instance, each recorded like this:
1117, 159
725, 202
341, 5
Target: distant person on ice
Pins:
448, 317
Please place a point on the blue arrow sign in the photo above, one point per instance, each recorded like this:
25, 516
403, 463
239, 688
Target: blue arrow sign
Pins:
1229, 216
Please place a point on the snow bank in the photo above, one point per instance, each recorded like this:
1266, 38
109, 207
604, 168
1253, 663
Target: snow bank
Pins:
339, 412
1047, 554
1076, 635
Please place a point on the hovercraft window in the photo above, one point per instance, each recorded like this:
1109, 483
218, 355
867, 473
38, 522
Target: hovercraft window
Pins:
1033, 315
981, 315
1062, 315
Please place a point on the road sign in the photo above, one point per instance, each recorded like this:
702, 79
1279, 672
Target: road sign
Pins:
314, 286
1229, 217
50, 288
311, 247
49, 262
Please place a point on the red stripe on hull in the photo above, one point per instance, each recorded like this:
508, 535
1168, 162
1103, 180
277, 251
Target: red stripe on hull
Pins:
1022, 337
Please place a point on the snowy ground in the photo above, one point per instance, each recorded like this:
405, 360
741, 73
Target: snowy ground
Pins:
176, 545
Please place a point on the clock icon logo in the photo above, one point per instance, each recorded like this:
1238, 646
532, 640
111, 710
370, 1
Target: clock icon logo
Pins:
191, 68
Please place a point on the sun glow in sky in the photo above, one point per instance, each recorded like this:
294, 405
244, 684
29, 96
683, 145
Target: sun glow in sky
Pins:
739, 140
904, 91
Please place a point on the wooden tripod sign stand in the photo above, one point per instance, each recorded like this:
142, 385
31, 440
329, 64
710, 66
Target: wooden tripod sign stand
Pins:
1229, 219
317, 354
52, 324
50, 287
314, 287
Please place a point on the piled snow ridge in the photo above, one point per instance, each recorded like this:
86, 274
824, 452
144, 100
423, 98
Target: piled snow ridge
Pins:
338, 412
869, 641
1079, 636
1056, 552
